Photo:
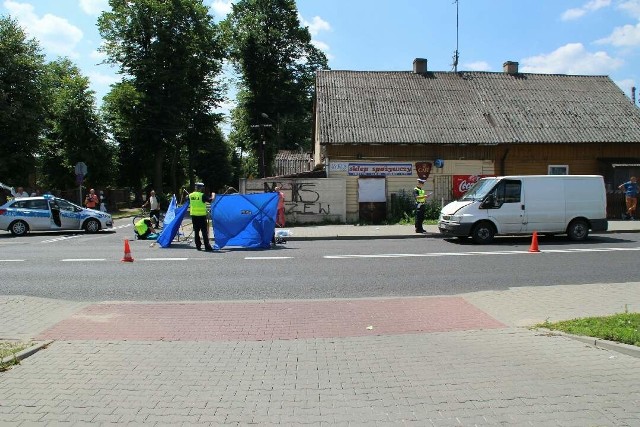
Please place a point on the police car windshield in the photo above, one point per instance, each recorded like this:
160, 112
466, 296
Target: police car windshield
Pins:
480, 189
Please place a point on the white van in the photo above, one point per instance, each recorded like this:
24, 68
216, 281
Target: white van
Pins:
548, 204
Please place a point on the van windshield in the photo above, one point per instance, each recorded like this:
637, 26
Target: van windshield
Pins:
480, 189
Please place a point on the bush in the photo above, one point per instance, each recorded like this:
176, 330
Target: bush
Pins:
402, 208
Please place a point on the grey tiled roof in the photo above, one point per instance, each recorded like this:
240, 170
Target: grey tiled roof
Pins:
356, 107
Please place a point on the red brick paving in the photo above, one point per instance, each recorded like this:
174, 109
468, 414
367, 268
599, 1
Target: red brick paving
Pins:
259, 321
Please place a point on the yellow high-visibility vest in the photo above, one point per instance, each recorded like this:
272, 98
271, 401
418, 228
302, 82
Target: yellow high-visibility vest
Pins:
421, 197
141, 226
196, 206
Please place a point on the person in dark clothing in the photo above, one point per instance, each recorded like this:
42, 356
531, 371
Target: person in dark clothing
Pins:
198, 211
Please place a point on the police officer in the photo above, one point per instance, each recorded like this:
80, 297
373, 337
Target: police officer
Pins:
143, 228
198, 211
420, 199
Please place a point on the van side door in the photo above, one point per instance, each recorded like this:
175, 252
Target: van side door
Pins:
507, 207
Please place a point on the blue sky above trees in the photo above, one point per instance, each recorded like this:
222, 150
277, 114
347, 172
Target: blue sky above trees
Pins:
545, 36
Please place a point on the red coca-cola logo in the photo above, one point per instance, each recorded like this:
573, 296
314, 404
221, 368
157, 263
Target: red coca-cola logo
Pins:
462, 184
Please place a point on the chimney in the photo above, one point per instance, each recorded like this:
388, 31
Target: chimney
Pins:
510, 67
633, 94
419, 65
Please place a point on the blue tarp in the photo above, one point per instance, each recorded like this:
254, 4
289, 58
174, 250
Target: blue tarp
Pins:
247, 220
169, 231
171, 212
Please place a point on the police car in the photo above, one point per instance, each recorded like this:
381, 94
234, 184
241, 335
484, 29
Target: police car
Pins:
49, 213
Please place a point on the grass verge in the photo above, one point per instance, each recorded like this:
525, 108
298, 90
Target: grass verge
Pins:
8, 349
623, 328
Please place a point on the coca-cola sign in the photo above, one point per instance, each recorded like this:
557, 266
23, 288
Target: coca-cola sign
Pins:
462, 184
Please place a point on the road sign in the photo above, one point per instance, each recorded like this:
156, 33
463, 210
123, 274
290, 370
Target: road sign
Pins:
81, 168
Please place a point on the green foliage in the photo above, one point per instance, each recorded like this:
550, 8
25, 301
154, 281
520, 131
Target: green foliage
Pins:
624, 327
8, 350
171, 53
402, 208
75, 133
276, 62
22, 102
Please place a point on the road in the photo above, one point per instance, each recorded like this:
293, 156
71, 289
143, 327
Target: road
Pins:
88, 267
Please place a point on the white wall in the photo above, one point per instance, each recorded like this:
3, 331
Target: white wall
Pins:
307, 200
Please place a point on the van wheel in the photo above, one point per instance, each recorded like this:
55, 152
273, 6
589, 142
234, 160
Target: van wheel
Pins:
578, 230
483, 233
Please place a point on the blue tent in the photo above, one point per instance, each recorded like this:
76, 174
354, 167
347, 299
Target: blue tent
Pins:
247, 220
170, 230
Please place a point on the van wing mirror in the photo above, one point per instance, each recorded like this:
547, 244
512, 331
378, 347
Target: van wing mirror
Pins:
489, 202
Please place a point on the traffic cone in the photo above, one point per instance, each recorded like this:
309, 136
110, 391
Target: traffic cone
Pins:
127, 252
534, 243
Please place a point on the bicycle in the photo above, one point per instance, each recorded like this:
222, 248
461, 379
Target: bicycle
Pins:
144, 214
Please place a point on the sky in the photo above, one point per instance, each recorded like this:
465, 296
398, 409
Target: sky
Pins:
587, 37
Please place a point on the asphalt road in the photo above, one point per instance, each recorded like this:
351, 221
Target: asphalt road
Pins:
89, 268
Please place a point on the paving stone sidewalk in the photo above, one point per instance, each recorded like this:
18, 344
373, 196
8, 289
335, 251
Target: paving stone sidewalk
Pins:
503, 375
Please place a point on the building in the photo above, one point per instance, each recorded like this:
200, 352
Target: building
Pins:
381, 130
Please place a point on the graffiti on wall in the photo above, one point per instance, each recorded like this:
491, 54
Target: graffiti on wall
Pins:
300, 198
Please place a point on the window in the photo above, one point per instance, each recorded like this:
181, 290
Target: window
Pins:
558, 170
508, 192
37, 204
65, 206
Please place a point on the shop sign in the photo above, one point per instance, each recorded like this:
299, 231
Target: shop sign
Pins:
380, 169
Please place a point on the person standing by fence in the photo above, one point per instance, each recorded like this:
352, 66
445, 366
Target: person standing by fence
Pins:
630, 189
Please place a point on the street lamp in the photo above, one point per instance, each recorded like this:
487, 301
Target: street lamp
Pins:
263, 169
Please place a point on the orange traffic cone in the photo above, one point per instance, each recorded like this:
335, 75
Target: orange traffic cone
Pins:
534, 243
127, 252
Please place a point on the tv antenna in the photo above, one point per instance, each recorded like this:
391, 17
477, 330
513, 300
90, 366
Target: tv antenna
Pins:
455, 54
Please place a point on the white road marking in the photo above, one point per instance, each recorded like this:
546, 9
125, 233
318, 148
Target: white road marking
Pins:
441, 254
164, 259
268, 257
82, 259
12, 260
58, 239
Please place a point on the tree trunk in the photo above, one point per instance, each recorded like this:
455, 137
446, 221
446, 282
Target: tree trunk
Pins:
159, 160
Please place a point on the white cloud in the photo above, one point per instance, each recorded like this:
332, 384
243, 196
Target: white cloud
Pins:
54, 34
625, 85
571, 58
103, 79
477, 66
628, 35
93, 7
221, 8
632, 7
571, 14
316, 25
590, 6
97, 55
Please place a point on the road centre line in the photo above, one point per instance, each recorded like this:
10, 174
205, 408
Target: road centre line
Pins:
82, 259
267, 257
164, 259
12, 260
442, 254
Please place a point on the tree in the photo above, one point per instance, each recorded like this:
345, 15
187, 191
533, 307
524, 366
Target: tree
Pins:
119, 112
74, 132
22, 102
274, 56
171, 53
